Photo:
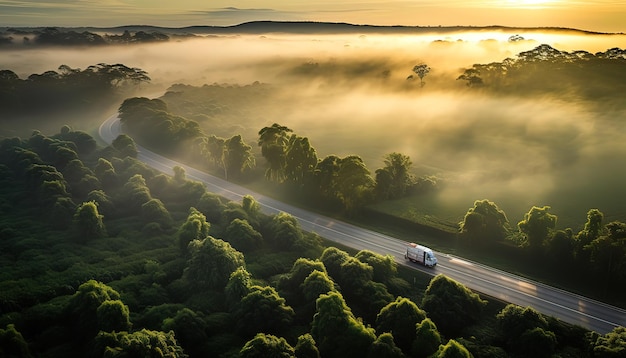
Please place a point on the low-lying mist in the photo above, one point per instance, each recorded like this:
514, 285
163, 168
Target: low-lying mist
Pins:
350, 95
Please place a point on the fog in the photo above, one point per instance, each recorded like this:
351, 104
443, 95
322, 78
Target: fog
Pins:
350, 95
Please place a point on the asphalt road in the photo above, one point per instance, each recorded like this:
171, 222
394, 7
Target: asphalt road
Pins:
548, 300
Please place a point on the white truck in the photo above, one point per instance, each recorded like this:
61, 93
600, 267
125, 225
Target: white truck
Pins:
420, 254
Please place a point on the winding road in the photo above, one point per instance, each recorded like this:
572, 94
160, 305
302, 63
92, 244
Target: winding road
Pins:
566, 306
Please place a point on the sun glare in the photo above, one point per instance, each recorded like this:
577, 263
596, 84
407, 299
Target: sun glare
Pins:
528, 3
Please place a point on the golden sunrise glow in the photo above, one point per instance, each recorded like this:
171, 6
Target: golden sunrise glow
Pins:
529, 3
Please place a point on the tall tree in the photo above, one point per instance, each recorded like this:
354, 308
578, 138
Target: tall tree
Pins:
394, 179
238, 157
263, 310
267, 345
354, 183
273, 142
421, 71
88, 221
400, 318
337, 332
300, 160
484, 222
212, 262
537, 224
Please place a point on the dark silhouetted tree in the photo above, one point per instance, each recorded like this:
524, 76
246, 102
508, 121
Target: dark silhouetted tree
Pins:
385, 347
267, 345
88, 221
452, 349
536, 226
427, 339
306, 347
13, 344
421, 71
273, 142
394, 179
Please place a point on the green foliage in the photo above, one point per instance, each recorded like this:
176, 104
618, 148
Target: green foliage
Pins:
526, 331
242, 236
384, 347
337, 332
238, 286
384, 266
125, 146
266, 345
536, 225
84, 305
12, 343
484, 222
316, 284
333, 258
154, 211
211, 206
144, 343
452, 349
395, 178
194, 228
306, 347
263, 310
273, 142
612, 344
427, 339
284, 231
212, 262
354, 183
400, 318
189, 327
451, 305
113, 315
88, 222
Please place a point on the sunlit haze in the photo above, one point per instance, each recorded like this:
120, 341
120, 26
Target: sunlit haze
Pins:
598, 15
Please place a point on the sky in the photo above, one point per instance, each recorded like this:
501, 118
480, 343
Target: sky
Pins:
590, 15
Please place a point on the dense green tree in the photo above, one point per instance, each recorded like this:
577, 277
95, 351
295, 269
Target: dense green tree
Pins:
536, 342
83, 307
384, 347
154, 211
284, 231
194, 228
189, 328
354, 183
105, 204
211, 206
612, 344
212, 262
484, 222
561, 246
301, 269
113, 315
394, 179
354, 274
452, 349
62, 213
136, 193
384, 266
242, 236
238, 157
125, 146
427, 339
300, 160
273, 142
267, 346
608, 251
238, 286
332, 258
306, 347
263, 310
144, 343
88, 221
105, 172
400, 318
252, 209
451, 305
337, 332
537, 224
13, 344
315, 284
526, 331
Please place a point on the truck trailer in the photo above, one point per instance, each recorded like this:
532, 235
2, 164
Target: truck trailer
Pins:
420, 254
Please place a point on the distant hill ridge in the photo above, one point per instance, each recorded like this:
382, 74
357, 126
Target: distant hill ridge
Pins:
305, 27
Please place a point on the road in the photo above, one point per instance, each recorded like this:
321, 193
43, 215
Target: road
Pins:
568, 307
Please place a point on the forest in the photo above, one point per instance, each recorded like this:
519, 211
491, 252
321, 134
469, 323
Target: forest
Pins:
104, 257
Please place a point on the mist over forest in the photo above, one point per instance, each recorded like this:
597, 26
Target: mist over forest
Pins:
350, 94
